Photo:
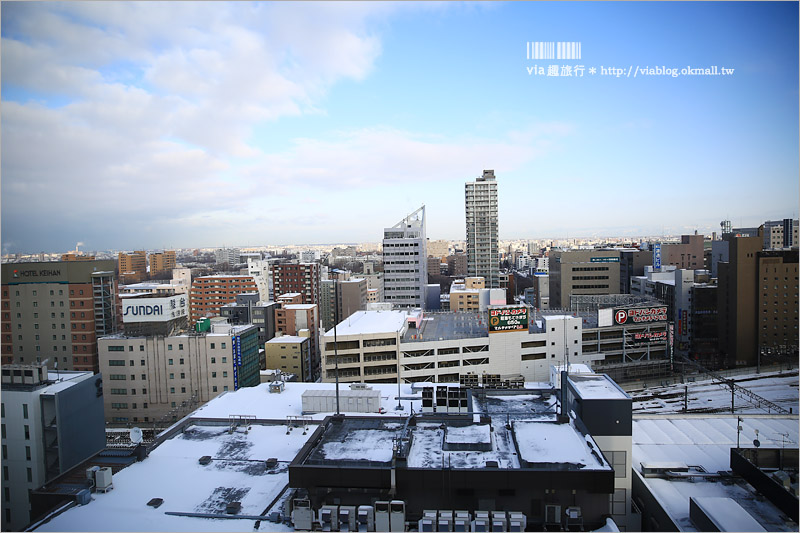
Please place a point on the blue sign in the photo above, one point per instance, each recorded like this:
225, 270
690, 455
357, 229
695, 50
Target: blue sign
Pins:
657, 257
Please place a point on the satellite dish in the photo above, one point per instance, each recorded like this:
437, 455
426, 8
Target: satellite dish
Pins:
136, 435
756, 443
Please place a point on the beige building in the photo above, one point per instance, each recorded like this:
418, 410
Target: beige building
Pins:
688, 254
581, 272
162, 261
160, 379
133, 267
439, 248
288, 353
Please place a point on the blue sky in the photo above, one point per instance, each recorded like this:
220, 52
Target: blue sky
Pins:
160, 124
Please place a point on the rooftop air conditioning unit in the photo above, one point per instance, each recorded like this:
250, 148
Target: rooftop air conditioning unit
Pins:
302, 515
102, 479
366, 518
552, 514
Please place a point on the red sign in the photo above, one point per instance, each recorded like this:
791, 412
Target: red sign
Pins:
640, 315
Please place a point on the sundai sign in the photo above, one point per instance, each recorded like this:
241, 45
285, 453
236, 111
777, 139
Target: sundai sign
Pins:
508, 319
639, 315
154, 309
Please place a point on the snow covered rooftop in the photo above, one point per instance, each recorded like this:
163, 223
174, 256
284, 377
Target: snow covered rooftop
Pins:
237, 472
597, 387
548, 442
286, 338
706, 441
370, 322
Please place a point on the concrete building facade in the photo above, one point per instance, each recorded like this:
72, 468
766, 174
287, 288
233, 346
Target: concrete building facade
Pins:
54, 311
780, 234
480, 199
162, 261
778, 300
577, 272
289, 354
209, 293
688, 254
51, 422
302, 278
159, 379
133, 267
738, 301
405, 262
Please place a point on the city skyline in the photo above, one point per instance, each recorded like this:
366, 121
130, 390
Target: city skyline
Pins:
129, 125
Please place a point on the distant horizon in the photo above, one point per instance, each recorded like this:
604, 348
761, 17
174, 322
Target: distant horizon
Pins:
187, 122
643, 238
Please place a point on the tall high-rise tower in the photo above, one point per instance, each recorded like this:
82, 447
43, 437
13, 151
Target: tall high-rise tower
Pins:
480, 201
405, 261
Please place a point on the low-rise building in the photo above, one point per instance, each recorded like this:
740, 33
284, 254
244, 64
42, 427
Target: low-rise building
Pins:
158, 379
291, 354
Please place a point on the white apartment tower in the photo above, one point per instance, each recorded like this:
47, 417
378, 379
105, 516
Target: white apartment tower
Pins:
480, 201
405, 262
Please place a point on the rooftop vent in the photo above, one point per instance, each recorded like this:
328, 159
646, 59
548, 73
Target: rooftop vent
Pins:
155, 503
233, 508
205, 460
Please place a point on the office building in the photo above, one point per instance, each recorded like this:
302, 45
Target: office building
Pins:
439, 248
228, 256
457, 265
688, 254
738, 300
582, 272
292, 318
132, 267
405, 262
55, 310
290, 354
249, 309
162, 261
777, 301
301, 278
482, 232
631, 263
51, 421
209, 293
158, 379
780, 234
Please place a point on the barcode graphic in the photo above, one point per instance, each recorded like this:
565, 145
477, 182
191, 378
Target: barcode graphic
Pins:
553, 50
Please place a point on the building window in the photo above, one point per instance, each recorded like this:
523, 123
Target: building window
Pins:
214, 388
172, 390
618, 501
30, 475
183, 389
170, 362
25, 411
183, 375
180, 346
172, 404
169, 347
224, 359
171, 375
619, 463
225, 388
27, 430
141, 362
213, 345
5, 452
27, 453
213, 360
141, 348
224, 374
181, 361
223, 345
